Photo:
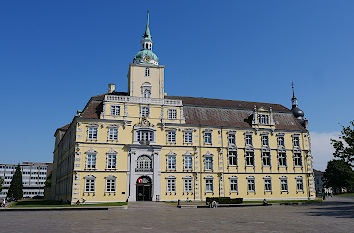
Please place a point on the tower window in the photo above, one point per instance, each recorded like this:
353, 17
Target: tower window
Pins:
147, 72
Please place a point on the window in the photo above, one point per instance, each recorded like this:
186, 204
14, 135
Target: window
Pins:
284, 184
281, 141
297, 159
232, 139
265, 140
90, 184
249, 158
92, 133
232, 154
147, 72
263, 119
111, 161
171, 136
144, 163
233, 185
299, 184
171, 162
251, 185
147, 93
188, 185
145, 135
145, 111
91, 161
171, 185
282, 159
296, 141
207, 138
208, 163
188, 137
266, 158
110, 184
113, 134
267, 184
209, 185
249, 140
188, 163
115, 110
172, 114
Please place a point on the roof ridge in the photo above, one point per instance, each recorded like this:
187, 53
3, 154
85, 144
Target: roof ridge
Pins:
228, 100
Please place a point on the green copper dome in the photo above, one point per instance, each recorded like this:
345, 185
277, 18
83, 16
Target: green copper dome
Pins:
146, 53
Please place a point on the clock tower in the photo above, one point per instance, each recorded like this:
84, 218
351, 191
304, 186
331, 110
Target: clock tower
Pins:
146, 76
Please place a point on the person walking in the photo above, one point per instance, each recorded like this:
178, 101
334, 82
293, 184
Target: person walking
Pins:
3, 203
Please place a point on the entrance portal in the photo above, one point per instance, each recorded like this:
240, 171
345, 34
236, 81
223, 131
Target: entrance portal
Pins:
143, 189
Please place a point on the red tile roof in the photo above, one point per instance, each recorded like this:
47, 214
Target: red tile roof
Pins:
198, 101
212, 112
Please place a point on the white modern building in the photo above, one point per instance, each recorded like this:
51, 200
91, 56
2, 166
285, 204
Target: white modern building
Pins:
34, 175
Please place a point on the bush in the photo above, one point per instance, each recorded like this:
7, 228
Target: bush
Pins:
38, 197
224, 200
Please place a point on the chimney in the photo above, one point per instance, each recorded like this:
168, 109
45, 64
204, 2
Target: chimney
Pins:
111, 87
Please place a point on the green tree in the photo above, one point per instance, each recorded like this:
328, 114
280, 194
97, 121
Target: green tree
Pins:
1, 183
16, 186
48, 182
338, 175
344, 147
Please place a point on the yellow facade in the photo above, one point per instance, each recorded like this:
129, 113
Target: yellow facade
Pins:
114, 144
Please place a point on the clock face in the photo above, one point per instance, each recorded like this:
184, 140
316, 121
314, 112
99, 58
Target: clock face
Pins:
147, 58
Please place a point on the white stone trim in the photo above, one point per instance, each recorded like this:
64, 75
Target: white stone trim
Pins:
141, 100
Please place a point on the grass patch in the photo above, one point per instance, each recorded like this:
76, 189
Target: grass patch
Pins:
285, 201
345, 195
50, 203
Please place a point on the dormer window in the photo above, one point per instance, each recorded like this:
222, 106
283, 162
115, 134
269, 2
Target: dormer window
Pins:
147, 72
172, 114
115, 110
263, 119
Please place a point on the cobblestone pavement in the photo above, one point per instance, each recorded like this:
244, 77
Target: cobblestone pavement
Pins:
334, 215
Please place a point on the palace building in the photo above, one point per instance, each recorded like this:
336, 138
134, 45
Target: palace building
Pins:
143, 145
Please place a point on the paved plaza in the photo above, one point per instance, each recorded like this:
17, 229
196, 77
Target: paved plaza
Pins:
334, 215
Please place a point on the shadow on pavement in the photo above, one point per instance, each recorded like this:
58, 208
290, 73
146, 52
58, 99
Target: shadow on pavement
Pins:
337, 209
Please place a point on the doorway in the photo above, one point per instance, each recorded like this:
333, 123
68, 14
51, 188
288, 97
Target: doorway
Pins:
143, 189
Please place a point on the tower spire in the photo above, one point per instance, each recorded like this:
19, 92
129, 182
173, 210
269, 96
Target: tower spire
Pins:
146, 55
147, 34
293, 99
297, 112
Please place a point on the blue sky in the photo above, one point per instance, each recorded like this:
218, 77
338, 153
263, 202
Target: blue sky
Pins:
55, 55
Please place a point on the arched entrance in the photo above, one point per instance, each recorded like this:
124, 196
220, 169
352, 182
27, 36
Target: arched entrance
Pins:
143, 189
